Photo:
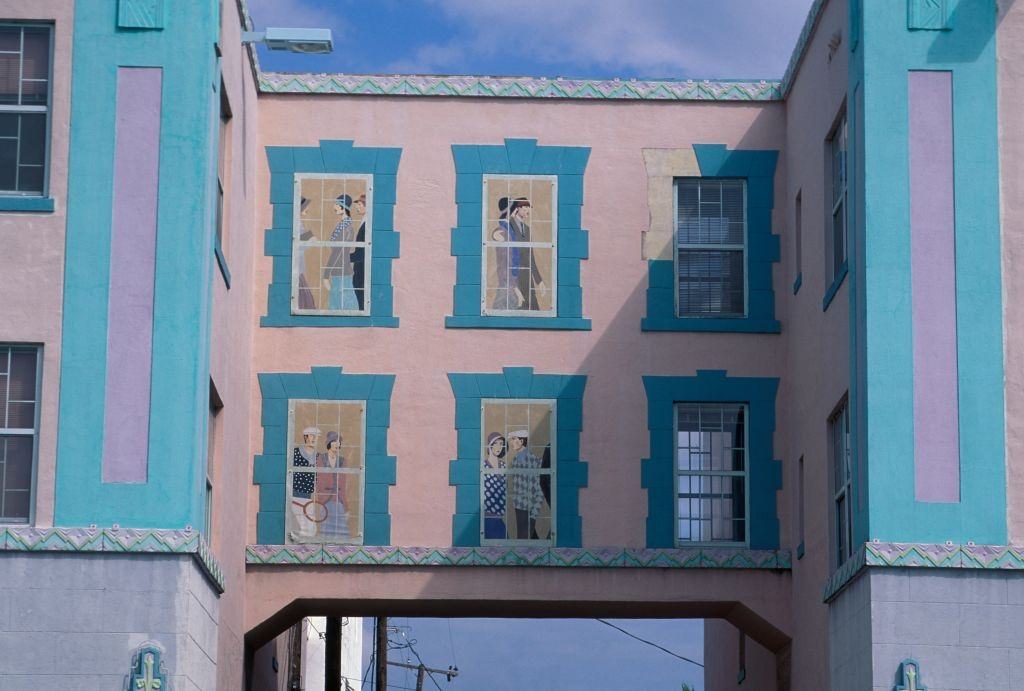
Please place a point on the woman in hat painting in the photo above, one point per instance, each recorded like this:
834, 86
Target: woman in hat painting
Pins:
330, 491
303, 509
337, 272
306, 300
494, 489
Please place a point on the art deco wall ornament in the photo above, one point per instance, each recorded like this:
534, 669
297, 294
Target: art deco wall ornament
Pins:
148, 673
908, 677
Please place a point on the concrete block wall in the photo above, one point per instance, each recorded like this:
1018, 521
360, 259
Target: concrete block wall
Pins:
965, 628
75, 620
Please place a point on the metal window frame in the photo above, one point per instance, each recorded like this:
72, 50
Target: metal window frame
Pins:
356, 539
838, 202
745, 474
367, 244
24, 431
47, 110
487, 242
844, 492
551, 540
698, 247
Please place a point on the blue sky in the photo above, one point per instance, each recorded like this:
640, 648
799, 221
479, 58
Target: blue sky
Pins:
563, 654
567, 38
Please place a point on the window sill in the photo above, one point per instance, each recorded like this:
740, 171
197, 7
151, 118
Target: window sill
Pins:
797, 283
37, 204
294, 320
222, 264
715, 325
540, 323
834, 288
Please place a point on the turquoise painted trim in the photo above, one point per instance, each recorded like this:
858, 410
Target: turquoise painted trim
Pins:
797, 283
173, 496
270, 467
969, 52
757, 167
222, 263
332, 156
559, 557
539, 323
570, 471
928, 15
837, 282
764, 475
518, 157
40, 204
148, 670
114, 541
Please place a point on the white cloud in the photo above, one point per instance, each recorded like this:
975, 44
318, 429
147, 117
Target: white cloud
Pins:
651, 37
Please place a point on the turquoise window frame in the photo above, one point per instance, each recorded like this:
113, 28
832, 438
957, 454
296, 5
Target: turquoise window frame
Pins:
340, 157
464, 472
764, 472
757, 167
518, 157
270, 467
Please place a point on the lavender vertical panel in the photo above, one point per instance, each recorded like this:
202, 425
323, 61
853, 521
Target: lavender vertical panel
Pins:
933, 288
132, 271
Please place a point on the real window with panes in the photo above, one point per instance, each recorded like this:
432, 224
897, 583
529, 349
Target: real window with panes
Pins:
836, 242
710, 247
25, 51
19, 428
711, 473
842, 501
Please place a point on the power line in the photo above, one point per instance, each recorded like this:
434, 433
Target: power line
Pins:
650, 643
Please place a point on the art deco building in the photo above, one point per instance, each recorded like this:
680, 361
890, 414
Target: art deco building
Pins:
276, 346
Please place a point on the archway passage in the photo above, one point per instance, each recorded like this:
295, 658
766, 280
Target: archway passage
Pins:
757, 602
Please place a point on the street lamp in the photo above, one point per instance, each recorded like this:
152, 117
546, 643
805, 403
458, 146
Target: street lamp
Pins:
293, 40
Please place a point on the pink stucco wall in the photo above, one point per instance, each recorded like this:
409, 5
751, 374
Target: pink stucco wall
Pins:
421, 352
1010, 52
231, 347
32, 260
815, 370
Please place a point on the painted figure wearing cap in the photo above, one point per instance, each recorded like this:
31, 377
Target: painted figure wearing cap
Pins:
303, 484
331, 491
527, 493
338, 271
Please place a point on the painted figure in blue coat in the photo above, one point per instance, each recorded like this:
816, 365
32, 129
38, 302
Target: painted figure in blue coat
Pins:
519, 279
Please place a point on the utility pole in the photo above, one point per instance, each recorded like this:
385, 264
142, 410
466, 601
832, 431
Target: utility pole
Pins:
421, 672
382, 653
332, 655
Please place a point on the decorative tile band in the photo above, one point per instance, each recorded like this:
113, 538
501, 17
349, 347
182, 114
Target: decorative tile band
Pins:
929, 556
117, 540
800, 49
595, 557
520, 87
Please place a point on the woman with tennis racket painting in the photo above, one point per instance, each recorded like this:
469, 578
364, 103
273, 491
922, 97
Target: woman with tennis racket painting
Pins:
330, 492
306, 513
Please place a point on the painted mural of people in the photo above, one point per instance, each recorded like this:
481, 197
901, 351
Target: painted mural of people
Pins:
337, 272
358, 255
304, 512
306, 299
507, 295
330, 490
495, 489
527, 495
524, 277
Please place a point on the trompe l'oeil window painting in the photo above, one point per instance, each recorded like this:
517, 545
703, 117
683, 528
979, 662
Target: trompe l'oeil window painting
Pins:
325, 471
520, 245
518, 471
331, 244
